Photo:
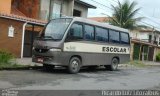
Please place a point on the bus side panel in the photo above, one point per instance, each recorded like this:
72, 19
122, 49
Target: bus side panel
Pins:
95, 58
93, 53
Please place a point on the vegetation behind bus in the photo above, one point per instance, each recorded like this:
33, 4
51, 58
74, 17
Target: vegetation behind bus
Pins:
124, 15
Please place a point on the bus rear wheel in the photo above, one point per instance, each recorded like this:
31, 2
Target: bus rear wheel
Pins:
74, 65
113, 66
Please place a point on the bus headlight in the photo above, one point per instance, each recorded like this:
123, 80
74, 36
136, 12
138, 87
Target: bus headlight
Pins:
54, 49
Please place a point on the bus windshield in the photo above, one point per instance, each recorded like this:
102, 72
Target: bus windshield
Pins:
56, 29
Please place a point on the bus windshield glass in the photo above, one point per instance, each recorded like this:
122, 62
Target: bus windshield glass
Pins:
56, 29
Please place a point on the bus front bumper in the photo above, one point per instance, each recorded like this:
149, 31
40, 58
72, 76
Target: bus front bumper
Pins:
50, 58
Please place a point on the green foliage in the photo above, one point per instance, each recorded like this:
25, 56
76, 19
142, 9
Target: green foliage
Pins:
136, 51
158, 57
12, 66
5, 56
124, 15
139, 64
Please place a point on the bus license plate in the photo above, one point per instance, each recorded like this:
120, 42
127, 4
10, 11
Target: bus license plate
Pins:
40, 60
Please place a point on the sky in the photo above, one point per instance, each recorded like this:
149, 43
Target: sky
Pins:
150, 10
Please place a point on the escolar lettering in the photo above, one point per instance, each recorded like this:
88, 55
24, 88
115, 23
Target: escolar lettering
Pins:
114, 49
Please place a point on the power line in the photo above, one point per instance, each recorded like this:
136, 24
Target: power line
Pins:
101, 4
138, 13
143, 15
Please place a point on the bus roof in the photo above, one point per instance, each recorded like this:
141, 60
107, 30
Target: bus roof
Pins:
88, 21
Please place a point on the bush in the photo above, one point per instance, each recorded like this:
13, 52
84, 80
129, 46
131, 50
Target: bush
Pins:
5, 56
137, 63
158, 57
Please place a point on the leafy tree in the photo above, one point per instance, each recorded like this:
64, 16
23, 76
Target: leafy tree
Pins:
124, 15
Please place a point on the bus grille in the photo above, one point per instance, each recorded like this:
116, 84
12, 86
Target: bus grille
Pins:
41, 50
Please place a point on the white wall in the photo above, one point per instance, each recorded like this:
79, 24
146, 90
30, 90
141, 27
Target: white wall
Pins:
134, 34
144, 36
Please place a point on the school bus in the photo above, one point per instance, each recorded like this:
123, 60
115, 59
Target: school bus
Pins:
77, 42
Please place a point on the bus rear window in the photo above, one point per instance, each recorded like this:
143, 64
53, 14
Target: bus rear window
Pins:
124, 38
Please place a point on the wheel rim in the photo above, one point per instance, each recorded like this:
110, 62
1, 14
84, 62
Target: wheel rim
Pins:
75, 65
114, 64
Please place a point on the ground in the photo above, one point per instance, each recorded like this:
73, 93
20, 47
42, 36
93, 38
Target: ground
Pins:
100, 79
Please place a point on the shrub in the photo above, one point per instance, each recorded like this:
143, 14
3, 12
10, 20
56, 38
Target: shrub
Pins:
5, 56
158, 57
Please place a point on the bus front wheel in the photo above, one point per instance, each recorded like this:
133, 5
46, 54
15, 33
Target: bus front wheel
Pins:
114, 65
74, 65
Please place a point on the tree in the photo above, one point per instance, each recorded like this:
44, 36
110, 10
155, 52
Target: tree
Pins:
124, 15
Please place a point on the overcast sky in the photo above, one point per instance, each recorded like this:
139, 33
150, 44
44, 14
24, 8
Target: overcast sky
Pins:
149, 9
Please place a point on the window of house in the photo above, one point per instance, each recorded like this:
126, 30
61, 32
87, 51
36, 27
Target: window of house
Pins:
114, 36
124, 38
56, 11
76, 31
101, 34
77, 13
150, 38
89, 32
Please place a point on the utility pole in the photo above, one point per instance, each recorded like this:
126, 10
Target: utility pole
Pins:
152, 39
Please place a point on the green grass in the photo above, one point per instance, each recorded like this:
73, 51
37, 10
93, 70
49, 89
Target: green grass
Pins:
7, 60
7, 65
158, 57
5, 56
137, 64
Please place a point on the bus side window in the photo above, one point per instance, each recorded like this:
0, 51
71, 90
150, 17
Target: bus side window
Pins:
114, 36
101, 34
125, 38
89, 32
75, 32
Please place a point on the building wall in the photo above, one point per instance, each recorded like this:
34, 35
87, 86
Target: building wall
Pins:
44, 9
5, 6
28, 7
140, 35
12, 45
81, 8
134, 34
67, 9
144, 36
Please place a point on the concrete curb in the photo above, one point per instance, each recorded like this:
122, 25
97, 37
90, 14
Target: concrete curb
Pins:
22, 68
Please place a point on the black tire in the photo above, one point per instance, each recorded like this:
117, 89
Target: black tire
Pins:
74, 65
113, 66
47, 67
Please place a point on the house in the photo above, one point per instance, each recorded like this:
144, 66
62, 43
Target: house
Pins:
145, 43
22, 20
50, 9
100, 19
147, 35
